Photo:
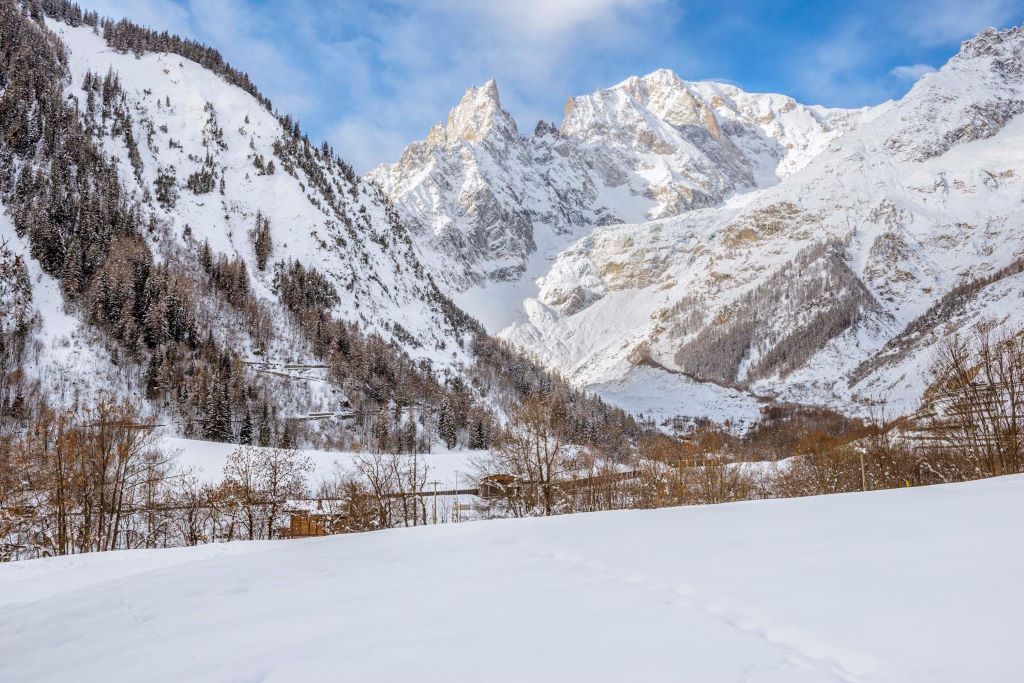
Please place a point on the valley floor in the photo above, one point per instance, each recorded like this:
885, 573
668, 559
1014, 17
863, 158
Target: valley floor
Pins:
904, 585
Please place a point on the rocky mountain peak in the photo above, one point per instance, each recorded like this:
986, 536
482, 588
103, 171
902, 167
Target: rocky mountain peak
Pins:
477, 113
545, 129
640, 88
993, 42
486, 197
635, 102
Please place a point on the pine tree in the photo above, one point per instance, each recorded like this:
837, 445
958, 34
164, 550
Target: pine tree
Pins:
447, 428
216, 413
409, 436
265, 428
287, 437
478, 441
245, 431
382, 430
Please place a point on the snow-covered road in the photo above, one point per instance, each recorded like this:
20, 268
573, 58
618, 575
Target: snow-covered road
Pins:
896, 586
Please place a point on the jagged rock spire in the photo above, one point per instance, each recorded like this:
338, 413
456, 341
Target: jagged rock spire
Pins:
477, 113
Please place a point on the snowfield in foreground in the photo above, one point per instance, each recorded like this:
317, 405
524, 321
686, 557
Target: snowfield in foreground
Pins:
907, 585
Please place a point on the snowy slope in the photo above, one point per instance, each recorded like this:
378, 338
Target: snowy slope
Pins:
904, 585
673, 400
166, 123
790, 289
66, 355
183, 114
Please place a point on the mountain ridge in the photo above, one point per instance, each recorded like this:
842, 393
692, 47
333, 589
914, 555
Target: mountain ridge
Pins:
917, 200
661, 172
485, 200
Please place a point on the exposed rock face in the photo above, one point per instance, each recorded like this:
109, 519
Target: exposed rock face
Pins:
482, 197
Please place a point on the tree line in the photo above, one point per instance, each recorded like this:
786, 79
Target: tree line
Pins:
88, 479
91, 479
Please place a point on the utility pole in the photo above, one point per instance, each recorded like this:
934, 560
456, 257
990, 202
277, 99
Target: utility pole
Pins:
863, 475
435, 482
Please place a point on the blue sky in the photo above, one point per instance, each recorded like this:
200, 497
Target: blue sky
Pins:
370, 76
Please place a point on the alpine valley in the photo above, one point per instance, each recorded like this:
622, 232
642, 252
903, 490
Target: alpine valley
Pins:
615, 399
680, 249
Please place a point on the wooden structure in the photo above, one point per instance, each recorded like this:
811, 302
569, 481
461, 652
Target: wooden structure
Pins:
304, 525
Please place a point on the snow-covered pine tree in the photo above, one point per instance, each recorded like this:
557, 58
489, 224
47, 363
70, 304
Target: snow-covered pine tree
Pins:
262, 242
447, 425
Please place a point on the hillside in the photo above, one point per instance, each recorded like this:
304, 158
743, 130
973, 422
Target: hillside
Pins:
904, 585
163, 211
170, 239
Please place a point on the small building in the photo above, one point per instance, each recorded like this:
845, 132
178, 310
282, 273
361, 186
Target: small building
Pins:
304, 525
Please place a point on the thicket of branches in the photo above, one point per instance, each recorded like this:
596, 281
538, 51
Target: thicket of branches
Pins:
970, 425
974, 406
91, 479
95, 479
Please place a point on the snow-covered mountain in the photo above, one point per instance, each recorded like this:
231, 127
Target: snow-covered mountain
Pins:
489, 204
795, 290
207, 162
188, 121
167, 238
710, 241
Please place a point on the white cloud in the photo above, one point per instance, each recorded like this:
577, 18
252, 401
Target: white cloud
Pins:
361, 141
911, 73
424, 54
943, 21
546, 18
833, 72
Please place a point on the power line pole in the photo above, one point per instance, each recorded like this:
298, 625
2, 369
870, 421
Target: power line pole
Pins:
435, 500
458, 499
863, 475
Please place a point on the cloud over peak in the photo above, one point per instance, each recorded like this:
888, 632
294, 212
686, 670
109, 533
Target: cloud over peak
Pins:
911, 73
